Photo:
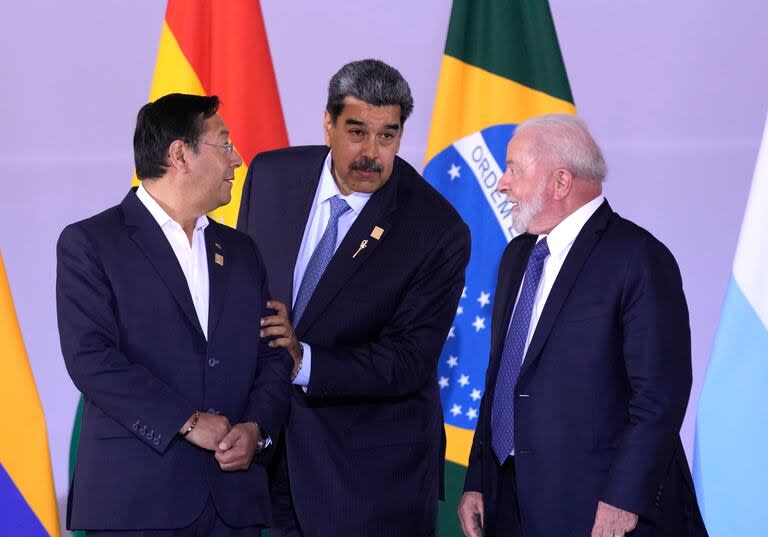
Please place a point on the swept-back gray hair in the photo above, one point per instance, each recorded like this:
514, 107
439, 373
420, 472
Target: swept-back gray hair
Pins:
373, 82
566, 141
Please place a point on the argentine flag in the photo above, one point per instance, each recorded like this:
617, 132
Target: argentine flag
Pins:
730, 458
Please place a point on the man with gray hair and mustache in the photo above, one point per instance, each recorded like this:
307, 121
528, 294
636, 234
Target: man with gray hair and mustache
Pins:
366, 264
590, 367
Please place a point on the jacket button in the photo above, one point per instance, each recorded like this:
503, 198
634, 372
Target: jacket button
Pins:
212, 362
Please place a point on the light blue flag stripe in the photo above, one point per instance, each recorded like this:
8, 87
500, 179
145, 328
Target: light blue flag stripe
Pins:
730, 463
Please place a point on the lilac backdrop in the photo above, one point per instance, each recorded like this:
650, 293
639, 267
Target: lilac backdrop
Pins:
676, 92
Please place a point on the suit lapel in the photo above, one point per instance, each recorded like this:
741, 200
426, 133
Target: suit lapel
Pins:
150, 239
218, 274
507, 289
574, 261
377, 212
293, 218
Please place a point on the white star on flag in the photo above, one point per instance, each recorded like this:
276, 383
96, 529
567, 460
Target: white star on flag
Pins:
452, 332
464, 380
454, 171
464, 293
479, 323
475, 394
443, 382
456, 410
472, 413
485, 299
459, 310
452, 361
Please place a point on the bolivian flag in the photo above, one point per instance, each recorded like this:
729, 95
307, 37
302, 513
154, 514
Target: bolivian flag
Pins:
502, 65
220, 48
27, 499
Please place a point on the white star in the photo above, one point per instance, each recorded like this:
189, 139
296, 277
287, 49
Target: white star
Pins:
443, 382
464, 293
456, 410
454, 171
459, 310
464, 380
452, 332
479, 323
452, 361
485, 299
475, 394
472, 413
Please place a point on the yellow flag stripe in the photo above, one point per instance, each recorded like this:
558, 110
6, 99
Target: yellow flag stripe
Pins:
24, 454
459, 444
470, 99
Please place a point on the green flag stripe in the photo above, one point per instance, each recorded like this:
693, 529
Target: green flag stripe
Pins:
73, 445
448, 521
515, 39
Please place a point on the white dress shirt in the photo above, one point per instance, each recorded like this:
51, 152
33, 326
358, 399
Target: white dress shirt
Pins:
559, 241
313, 232
192, 257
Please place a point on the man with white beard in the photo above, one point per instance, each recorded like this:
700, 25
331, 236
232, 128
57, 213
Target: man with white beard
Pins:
590, 367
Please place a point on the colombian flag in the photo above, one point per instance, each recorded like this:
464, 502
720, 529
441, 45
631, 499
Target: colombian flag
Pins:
27, 499
220, 48
502, 65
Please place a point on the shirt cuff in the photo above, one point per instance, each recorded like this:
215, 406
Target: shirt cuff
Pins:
302, 376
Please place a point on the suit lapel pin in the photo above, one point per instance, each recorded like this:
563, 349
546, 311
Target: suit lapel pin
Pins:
377, 232
361, 247
219, 259
217, 245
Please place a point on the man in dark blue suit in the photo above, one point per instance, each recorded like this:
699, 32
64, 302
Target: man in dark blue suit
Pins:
367, 266
590, 367
156, 305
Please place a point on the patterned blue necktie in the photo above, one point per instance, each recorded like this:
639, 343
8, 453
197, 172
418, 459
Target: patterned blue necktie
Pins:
320, 258
503, 413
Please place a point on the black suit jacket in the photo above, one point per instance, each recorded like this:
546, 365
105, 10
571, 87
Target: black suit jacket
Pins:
134, 347
365, 444
603, 389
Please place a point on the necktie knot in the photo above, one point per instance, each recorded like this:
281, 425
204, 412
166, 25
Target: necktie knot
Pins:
339, 206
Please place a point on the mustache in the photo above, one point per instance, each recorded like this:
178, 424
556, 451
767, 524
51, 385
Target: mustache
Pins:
366, 164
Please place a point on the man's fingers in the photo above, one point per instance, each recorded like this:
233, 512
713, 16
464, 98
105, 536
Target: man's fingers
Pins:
278, 330
275, 320
280, 342
278, 306
230, 439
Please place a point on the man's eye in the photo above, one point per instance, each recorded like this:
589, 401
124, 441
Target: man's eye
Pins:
356, 132
387, 135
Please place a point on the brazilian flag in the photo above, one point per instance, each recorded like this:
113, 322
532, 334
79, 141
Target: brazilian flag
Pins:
502, 65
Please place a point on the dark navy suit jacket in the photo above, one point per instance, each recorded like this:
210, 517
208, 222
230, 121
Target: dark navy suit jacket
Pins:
365, 444
134, 347
602, 392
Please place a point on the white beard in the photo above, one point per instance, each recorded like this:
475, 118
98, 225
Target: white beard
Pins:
521, 218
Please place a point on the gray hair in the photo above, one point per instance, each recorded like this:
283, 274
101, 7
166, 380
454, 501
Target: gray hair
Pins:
566, 141
373, 82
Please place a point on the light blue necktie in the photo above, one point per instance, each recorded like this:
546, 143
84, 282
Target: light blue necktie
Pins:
320, 258
503, 413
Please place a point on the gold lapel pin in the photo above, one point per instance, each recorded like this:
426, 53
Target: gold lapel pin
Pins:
360, 248
219, 259
377, 232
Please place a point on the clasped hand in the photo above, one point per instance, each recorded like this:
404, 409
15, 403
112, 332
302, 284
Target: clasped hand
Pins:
234, 446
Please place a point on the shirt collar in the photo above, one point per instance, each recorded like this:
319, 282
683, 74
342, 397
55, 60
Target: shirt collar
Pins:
329, 189
563, 234
158, 213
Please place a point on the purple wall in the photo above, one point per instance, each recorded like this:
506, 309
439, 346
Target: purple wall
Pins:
677, 97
